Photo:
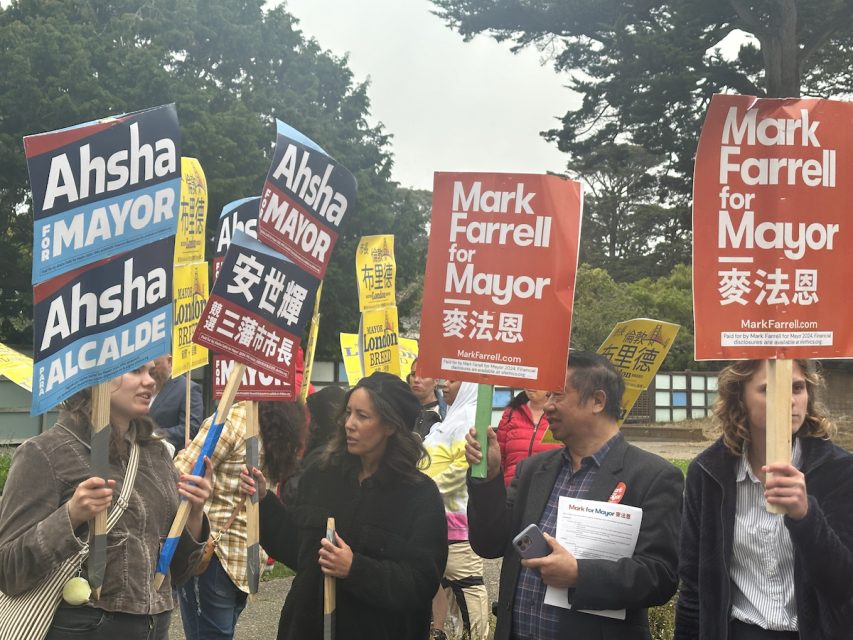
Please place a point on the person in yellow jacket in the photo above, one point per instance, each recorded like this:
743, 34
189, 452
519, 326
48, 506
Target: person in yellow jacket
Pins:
462, 588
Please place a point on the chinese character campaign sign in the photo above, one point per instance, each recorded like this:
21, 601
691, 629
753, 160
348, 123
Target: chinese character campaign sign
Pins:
375, 271
242, 216
771, 229
259, 306
500, 278
637, 348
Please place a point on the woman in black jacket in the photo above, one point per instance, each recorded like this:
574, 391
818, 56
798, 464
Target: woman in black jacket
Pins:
391, 531
746, 573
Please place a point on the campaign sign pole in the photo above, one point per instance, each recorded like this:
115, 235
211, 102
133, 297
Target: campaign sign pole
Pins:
778, 424
100, 467
253, 558
187, 412
482, 420
329, 590
180, 521
312, 347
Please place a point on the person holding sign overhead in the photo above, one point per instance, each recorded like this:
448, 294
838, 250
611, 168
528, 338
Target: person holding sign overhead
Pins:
595, 463
391, 530
746, 573
49, 500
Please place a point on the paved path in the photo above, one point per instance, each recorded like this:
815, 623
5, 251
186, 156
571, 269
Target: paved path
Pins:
259, 621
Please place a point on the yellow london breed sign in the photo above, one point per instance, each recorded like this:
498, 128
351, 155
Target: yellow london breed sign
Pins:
380, 334
192, 218
375, 272
352, 357
17, 367
191, 291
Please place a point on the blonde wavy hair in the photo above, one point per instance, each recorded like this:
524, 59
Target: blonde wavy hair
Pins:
731, 416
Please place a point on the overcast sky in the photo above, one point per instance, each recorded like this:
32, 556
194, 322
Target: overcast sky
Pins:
450, 105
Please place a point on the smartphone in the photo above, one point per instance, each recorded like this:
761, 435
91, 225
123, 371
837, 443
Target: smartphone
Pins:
530, 543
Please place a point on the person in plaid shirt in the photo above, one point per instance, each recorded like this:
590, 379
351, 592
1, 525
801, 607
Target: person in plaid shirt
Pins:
212, 602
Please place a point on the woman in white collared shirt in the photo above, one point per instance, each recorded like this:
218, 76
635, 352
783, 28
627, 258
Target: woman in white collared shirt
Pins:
747, 574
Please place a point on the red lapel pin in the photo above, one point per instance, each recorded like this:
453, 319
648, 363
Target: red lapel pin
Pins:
618, 493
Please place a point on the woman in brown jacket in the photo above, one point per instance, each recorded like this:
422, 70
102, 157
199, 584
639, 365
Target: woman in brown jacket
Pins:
50, 498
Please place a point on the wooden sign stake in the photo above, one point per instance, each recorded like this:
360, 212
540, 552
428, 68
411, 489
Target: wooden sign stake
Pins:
99, 466
253, 560
187, 403
778, 429
329, 591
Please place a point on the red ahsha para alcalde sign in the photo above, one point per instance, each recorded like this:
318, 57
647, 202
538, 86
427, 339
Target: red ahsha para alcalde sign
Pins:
500, 278
772, 229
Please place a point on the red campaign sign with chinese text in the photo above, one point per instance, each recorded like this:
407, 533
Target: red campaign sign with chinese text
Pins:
242, 215
257, 385
500, 278
259, 305
770, 228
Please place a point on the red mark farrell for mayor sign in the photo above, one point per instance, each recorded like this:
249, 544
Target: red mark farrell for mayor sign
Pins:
500, 278
771, 229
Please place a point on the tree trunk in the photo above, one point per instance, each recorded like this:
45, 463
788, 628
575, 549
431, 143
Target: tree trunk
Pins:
781, 51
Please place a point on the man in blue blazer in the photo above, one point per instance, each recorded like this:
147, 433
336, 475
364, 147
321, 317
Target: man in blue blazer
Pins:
596, 463
168, 408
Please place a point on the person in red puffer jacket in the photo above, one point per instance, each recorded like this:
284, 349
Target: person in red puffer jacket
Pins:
521, 429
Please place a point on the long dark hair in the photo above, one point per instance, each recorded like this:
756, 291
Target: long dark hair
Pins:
77, 411
282, 427
404, 452
324, 406
518, 400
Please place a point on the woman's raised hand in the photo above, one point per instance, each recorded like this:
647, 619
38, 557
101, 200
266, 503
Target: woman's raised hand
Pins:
197, 489
91, 497
250, 484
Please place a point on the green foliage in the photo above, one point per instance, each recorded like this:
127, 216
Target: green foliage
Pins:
277, 572
662, 621
625, 231
682, 464
232, 67
670, 298
601, 302
646, 72
5, 462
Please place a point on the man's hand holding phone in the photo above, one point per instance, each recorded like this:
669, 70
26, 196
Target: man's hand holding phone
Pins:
556, 564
